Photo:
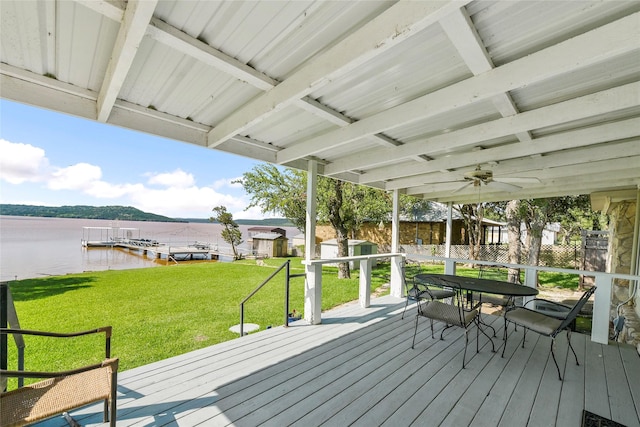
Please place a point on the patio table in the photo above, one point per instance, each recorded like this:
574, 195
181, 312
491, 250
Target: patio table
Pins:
479, 285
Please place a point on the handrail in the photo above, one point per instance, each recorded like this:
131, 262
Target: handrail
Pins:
288, 276
9, 317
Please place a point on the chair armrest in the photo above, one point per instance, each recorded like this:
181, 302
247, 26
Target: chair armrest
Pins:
112, 362
107, 330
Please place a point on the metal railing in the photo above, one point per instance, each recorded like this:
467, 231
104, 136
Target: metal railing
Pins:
288, 277
9, 318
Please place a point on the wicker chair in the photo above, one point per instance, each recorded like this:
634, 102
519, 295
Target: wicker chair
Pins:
60, 392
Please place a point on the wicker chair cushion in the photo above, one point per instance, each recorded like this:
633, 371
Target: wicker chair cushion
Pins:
53, 396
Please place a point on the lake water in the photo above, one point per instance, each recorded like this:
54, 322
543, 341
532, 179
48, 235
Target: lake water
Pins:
37, 247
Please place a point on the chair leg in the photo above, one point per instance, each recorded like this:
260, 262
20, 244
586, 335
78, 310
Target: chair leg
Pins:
466, 341
553, 342
571, 347
504, 336
415, 331
493, 347
405, 307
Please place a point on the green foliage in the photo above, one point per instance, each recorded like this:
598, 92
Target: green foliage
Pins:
158, 312
127, 213
278, 190
231, 232
283, 191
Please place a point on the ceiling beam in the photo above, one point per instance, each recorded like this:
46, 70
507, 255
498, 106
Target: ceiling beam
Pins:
467, 41
132, 29
601, 44
615, 99
387, 30
202, 52
561, 169
546, 145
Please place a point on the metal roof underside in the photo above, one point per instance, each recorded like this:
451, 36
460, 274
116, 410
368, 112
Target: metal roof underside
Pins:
395, 95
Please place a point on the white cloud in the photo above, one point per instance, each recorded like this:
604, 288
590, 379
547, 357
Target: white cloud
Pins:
190, 202
175, 179
22, 162
173, 194
77, 177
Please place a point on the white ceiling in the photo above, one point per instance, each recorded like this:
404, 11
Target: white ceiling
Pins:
403, 95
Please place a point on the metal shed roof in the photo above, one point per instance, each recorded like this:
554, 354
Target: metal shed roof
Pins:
408, 95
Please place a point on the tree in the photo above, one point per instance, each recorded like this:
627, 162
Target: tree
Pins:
231, 233
344, 205
472, 215
277, 190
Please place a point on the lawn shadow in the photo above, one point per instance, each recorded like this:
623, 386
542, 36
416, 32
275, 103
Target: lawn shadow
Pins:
33, 289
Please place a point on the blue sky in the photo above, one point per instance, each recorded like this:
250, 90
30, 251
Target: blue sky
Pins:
53, 159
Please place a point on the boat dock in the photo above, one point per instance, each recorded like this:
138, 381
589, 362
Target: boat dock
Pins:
129, 238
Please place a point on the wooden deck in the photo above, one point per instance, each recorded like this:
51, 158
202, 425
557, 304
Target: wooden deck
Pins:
358, 368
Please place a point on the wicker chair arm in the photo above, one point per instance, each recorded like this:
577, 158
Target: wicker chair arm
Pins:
113, 362
107, 330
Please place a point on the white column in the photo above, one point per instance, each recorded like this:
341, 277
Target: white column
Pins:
365, 283
449, 231
397, 263
313, 281
601, 307
449, 266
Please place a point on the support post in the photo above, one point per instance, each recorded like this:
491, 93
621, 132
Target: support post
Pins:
602, 298
365, 283
397, 263
313, 282
449, 231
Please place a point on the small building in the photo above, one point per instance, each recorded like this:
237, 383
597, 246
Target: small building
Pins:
269, 245
329, 249
252, 231
298, 244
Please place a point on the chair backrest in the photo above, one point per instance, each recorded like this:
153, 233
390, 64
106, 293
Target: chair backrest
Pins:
576, 309
499, 272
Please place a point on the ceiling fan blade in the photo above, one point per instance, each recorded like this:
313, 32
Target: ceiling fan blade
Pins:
522, 180
462, 187
503, 186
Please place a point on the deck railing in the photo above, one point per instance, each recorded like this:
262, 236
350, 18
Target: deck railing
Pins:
602, 306
288, 276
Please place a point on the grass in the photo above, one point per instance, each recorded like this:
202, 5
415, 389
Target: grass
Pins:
157, 313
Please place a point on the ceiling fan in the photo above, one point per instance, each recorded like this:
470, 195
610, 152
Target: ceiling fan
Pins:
480, 177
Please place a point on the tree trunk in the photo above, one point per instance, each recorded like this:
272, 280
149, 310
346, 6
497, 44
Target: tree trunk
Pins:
335, 204
515, 243
535, 242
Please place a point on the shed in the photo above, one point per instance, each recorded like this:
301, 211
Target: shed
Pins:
298, 243
269, 244
252, 231
329, 249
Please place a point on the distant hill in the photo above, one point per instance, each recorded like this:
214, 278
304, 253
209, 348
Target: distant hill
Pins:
267, 222
125, 213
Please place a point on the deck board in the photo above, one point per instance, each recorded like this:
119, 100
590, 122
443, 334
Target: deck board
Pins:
358, 368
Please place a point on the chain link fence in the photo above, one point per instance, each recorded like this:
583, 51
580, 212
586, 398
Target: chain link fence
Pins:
559, 256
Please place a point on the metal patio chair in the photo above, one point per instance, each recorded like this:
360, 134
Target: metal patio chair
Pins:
545, 324
417, 291
454, 314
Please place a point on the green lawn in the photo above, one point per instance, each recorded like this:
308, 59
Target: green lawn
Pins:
161, 312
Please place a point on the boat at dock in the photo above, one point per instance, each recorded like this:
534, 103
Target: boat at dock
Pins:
130, 238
